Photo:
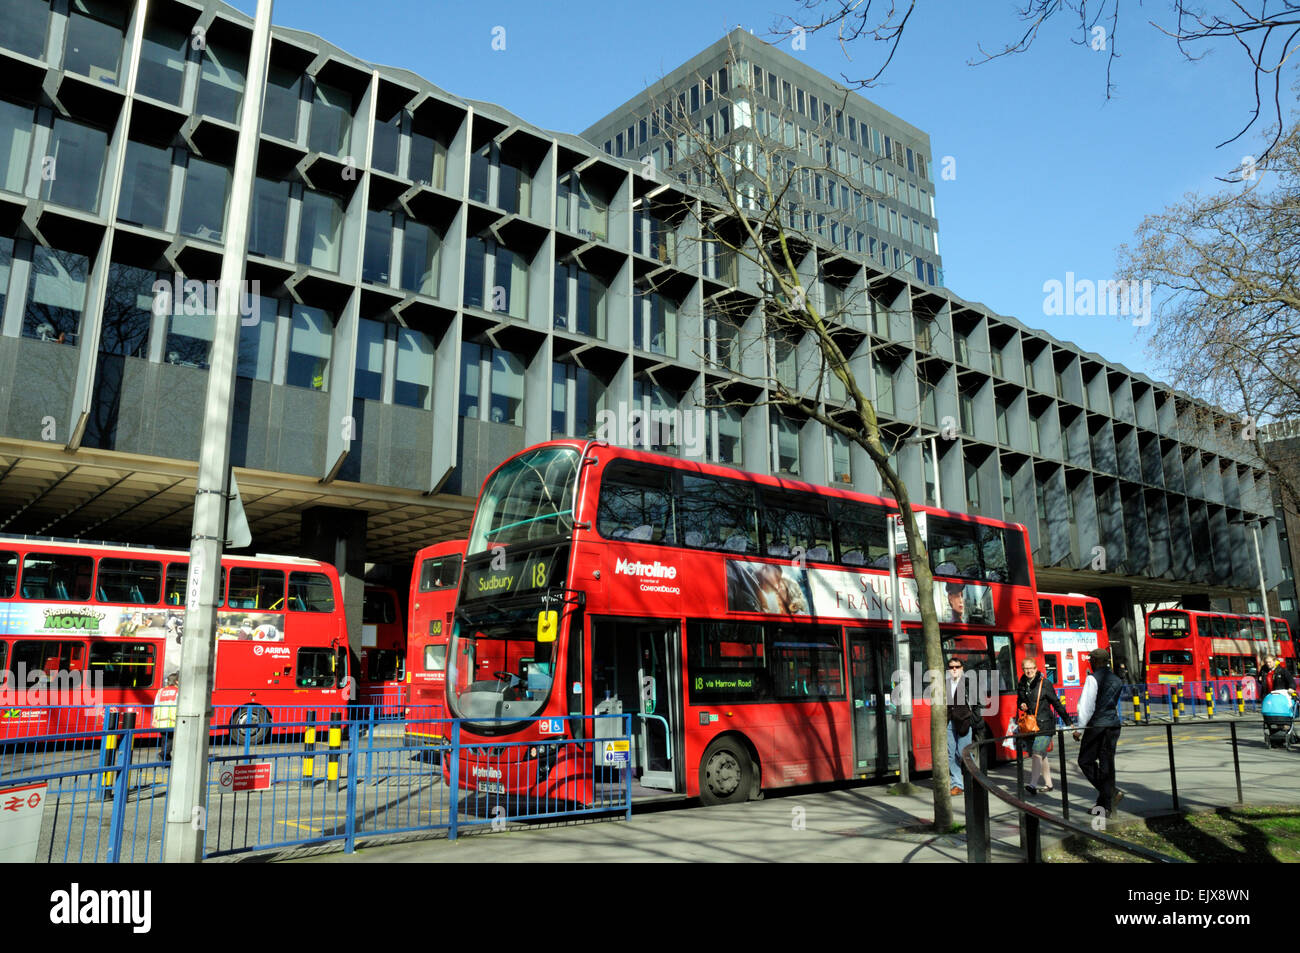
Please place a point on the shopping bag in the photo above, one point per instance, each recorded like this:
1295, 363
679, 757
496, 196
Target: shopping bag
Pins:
1010, 742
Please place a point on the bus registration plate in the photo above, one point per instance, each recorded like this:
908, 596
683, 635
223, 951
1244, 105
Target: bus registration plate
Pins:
491, 787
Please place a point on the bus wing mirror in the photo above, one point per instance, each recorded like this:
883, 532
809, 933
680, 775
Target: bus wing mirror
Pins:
548, 622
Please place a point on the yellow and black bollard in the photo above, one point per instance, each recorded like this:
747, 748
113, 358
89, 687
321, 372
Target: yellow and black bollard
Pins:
1175, 702
1137, 707
309, 742
335, 742
1241, 702
1209, 701
1146, 705
1182, 709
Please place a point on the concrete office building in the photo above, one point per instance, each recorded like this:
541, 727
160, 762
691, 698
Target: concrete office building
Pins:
870, 189
441, 284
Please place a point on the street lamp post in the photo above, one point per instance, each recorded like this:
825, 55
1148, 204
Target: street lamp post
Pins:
1263, 589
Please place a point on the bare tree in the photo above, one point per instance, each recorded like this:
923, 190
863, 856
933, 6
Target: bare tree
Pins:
792, 329
1226, 323
1267, 36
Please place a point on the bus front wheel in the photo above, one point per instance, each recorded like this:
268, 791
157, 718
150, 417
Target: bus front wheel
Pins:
726, 773
253, 721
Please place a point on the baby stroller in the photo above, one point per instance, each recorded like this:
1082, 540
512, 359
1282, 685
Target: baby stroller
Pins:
1280, 720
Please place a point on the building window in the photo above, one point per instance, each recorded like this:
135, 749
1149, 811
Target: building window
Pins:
310, 346
318, 233
161, 74
427, 160
256, 353
507, 289
654, 323
56, 295
420, 247
6, 266
221, 81
475, 272
577, 398
413, 386
128, 311
270, 218
93, 46
972, 487
280, 104
369, 380
379, 247
1008, 495
24, 25
785, 445
330, 130
507, 388
841, 458
146, 181
884, 389
16, 124
388, 137
580, 301
203, 208
190, 330
77, 153
581, 210
727, 423
480, 174
470, 372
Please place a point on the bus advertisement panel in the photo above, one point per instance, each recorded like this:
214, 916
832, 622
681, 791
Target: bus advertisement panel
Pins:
741, 619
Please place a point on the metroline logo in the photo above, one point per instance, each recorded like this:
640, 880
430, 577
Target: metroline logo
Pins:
654, 570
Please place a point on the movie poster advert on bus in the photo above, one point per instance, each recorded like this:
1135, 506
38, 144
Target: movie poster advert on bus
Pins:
1074, 649
37, 618
784, 589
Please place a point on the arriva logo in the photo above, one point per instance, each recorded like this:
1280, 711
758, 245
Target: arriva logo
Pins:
654, 570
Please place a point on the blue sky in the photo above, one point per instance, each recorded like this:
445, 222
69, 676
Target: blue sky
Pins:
1050, 177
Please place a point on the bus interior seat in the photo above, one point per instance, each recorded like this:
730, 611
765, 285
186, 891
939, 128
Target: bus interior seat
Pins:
620, 533
881, 561
778, 549
819, 553
296, 604
736, 543
137, 596
642, 533
946, 569
100, 594
853, 557
693, 538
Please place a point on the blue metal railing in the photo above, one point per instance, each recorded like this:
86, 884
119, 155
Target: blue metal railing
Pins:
286, 778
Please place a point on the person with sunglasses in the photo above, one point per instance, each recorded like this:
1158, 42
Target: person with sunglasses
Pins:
961, 722
1037, 697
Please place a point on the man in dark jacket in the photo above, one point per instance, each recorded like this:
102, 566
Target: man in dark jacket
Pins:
961, 722
1099, 719
1282, 679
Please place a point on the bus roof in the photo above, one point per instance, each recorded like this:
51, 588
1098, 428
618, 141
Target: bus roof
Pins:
145, 552
759, 479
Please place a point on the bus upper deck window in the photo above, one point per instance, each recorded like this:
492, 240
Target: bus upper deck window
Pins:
310, 592
57, 577
1094, 617
8, 574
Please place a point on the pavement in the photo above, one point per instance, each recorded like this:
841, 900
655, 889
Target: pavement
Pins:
865, 822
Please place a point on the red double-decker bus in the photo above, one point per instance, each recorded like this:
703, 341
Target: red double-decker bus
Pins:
1072, 627
100, 627
434, 583
1198, 649
381, 666
743, 620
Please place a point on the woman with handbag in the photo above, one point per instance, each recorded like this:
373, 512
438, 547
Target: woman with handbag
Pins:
1035, 725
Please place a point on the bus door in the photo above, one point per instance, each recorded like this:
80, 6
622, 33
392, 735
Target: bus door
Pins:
875, 738
635, 670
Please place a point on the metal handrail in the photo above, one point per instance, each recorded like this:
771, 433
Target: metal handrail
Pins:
977, 817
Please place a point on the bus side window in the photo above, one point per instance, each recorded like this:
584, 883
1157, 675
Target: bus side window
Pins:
1094, 617
1052, 666
310, 592
8, 574
1045, 613
1059, 610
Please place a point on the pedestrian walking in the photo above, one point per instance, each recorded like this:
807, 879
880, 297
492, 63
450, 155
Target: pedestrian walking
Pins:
1036, 700
1283, 680
1099, 725
961, 722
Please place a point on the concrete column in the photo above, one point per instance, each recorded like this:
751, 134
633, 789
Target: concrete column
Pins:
1117, 608
338, 536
